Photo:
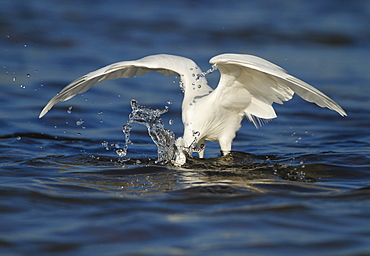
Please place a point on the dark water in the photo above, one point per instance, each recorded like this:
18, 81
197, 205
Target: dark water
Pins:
299, 185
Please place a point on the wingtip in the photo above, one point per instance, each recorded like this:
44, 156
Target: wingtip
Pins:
339, 110
44, 111
42, 114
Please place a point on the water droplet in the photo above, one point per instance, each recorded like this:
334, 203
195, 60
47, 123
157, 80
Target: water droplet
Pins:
196, 133
14, 78
69, 110
28, 75
181, 84
99, 113
199, 86
170, 122
101, 120
105, 145
25, 46
121, 152
55, 126
18, 137
169, 102
23, 86
80, 121
78, 133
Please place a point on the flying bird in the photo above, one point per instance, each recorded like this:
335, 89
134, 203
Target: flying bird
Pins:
248, 87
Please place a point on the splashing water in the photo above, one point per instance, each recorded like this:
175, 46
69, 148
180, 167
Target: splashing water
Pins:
162, 137
169, 150
203, 74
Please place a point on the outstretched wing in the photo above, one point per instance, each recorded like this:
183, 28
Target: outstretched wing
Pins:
252, 84
162, 63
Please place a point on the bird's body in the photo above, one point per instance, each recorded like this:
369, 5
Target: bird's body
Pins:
248, 87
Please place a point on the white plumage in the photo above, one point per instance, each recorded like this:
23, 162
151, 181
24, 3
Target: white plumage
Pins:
248, 86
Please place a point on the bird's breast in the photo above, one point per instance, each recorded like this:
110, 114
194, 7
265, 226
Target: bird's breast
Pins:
209, 121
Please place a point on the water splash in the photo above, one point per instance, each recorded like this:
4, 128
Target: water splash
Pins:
182, 152
169, 150
163, 138
203, 74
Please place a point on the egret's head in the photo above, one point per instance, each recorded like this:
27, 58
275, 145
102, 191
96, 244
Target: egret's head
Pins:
180, 152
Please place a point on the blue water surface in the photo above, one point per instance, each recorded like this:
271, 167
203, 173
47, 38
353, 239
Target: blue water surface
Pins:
299, 185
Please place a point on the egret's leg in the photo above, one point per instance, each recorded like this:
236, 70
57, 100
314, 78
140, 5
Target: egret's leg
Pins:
225, 145
201, 153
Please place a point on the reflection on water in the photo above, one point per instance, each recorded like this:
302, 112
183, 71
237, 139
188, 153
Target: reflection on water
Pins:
239, 172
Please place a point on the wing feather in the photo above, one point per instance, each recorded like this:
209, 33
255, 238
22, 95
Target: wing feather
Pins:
168, 65
266, 83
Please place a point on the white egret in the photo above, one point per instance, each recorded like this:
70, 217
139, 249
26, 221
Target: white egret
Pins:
248, 86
